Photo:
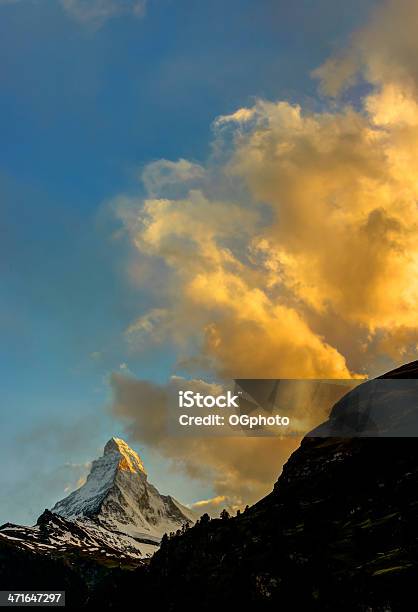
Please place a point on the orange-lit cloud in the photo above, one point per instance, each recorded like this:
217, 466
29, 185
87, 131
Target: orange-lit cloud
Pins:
215, 505
295, 252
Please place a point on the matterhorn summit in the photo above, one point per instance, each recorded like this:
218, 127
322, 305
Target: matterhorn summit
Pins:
116, 513
117, 495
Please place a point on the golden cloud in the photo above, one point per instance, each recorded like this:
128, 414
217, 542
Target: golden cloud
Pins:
296, 252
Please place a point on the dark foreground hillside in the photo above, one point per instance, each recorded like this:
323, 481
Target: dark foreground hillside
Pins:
338, 532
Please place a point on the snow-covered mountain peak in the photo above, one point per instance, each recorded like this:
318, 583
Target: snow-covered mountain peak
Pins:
128, 459
117, 497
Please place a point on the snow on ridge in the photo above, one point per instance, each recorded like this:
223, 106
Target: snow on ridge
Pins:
56, 534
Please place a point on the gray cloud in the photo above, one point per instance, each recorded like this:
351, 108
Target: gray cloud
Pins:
240, 470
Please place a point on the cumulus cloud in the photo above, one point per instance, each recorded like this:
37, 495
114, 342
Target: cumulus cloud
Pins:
383, 53
338, 241
212, 289
309, 267
342, 191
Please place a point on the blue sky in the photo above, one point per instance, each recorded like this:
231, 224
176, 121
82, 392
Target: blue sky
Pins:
84, 105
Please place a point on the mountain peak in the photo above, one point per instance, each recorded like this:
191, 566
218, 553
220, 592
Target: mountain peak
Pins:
130, 460
115, 444
117, 496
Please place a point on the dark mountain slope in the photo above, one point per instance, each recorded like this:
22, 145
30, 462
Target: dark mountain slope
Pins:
338, 532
